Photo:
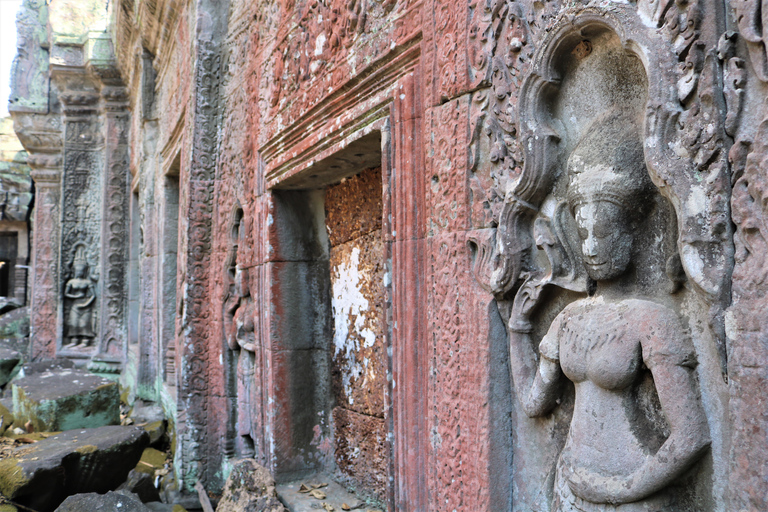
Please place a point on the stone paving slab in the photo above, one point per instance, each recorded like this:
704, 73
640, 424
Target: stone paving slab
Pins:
336, 496
65, 399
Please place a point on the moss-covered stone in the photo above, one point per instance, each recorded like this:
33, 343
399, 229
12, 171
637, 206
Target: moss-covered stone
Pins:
12, 477
65, 400
151, 460
88, 448
155, 429
6, 418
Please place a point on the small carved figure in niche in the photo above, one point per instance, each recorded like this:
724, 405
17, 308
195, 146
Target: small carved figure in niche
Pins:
241, 338
637, 423
80, 294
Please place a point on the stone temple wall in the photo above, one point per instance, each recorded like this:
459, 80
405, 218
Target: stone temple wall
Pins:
569, 293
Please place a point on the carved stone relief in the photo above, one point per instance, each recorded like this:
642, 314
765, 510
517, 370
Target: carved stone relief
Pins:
597, 244
80, 302
81, 219
243, 338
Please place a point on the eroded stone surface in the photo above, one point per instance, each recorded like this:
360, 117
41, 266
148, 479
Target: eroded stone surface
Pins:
109, 501
249, 488
360, 362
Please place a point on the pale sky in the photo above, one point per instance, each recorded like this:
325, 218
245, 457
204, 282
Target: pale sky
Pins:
8, 10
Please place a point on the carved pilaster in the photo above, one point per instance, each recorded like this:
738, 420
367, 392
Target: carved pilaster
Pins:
193, 343
80, 258
41, 136
114, 226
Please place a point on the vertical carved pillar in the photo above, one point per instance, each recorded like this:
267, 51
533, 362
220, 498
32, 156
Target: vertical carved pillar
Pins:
41, 135
114, 228
197, 315
46, 172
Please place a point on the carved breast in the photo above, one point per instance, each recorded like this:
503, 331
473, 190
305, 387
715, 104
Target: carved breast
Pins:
599, 343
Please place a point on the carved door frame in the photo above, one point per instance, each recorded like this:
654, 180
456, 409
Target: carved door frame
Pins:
389, 101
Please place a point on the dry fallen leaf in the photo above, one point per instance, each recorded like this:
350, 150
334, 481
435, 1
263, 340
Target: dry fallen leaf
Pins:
318, 494
319, 486
328, 508
304, 488
344, 506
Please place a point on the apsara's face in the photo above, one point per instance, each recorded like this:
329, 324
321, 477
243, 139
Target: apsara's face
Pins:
606, 240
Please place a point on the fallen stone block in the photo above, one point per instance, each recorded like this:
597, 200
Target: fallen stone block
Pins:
40, 475
142, 485
106, 502
65, 399
151, 460
155, 429
249, 488
9, 360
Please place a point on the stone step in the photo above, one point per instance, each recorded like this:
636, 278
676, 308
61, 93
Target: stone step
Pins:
64, 399
41, 475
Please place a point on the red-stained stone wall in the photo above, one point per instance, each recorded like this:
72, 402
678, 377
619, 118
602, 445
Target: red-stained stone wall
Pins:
360, 364
268, 105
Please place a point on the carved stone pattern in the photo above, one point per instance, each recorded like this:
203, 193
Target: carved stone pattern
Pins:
696, 130
45, 273
114, 238
496, 158
207, 112
448, 440
195, 340
751, 20
748, 355
450, 33
193, 377
312, 49
81, 188
447, 179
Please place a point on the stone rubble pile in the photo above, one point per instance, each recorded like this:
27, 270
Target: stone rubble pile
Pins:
64, 443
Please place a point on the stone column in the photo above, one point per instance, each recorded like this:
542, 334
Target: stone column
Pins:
41, 136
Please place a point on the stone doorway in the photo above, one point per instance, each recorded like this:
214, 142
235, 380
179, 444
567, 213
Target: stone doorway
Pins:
8, 256
328, 293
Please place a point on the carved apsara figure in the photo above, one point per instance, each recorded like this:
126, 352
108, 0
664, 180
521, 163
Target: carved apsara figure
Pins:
80, 294
241, 338
638, 424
